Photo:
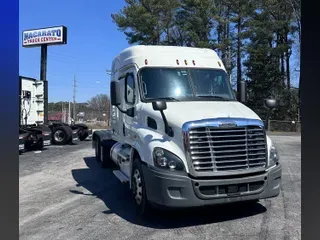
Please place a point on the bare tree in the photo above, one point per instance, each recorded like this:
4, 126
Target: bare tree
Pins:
100, 103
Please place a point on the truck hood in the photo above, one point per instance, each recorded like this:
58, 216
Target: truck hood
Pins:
177, 113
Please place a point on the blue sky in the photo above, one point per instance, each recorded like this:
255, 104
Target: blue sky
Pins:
93, 41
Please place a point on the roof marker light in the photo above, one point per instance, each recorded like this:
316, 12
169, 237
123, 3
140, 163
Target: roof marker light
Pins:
177, 62
146, 61
185, 62
219, 64
193, 62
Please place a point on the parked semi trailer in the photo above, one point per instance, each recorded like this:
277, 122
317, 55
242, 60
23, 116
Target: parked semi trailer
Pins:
179, 136
33, 132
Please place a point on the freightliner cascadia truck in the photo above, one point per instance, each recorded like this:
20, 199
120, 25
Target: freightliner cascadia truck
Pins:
179, 136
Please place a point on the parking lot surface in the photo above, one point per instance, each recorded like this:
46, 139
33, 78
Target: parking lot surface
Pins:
64, 194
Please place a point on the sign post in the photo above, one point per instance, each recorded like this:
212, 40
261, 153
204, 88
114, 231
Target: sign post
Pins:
44, 37
43, 77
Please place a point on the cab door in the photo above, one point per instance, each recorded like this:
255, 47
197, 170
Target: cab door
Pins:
130, 102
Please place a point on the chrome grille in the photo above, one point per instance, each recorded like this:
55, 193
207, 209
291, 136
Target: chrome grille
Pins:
215, 149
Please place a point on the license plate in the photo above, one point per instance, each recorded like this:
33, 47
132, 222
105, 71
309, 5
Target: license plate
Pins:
46, 143
21, 146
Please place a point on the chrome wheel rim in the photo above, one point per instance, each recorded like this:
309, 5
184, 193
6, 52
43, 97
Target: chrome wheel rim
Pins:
59, 135
137, 186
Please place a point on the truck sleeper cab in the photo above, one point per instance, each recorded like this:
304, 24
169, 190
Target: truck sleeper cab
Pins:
178, 134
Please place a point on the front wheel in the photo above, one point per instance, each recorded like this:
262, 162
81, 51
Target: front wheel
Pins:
139, 189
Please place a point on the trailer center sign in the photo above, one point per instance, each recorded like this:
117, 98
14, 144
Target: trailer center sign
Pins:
49, 36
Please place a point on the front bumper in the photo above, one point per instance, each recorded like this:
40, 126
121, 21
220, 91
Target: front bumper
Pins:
173, 190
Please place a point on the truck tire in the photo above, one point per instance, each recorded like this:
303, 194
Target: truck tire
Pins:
106, 161
82, 134
40, 144
143, 207
70, 132
61, 135
97, 148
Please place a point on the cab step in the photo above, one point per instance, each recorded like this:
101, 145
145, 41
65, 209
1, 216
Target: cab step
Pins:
121, 176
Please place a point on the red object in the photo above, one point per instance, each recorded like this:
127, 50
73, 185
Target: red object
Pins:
56, 116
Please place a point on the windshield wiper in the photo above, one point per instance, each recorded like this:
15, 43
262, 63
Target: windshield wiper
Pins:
214, 97
167, 98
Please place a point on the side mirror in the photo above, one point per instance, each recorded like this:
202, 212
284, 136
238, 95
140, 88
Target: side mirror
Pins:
159, 105
115, 93
271, 103
243, 92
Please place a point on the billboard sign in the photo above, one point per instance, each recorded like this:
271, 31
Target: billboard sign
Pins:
49, 36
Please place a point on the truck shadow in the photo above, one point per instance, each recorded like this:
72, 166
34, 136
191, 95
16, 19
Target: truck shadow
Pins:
102, 184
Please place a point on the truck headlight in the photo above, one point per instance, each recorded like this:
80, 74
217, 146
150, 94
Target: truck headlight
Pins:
273, 156
167, 160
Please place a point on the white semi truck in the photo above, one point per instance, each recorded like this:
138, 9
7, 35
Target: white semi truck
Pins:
179, 136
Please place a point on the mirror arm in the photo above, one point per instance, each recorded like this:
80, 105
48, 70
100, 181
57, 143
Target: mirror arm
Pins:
125, 111
167, 128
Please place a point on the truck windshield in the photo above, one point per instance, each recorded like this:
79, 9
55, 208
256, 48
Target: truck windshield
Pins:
180, 84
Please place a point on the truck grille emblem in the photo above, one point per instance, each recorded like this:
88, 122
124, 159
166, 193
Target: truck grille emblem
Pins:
227, 124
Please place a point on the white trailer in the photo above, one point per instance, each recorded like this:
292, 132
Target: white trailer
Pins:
33, 133
179, 136
31, 101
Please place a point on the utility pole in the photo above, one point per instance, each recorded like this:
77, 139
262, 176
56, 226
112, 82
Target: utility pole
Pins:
63, 116
74, 97
69, 112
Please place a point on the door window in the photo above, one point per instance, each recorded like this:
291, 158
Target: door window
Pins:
129, 89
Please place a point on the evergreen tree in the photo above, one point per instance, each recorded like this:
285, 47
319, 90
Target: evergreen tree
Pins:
255, 36
147, 21
194, 18
262, 65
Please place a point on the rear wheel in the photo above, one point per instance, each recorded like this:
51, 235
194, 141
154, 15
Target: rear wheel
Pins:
98, 150
82, 134
143, 207
61, 135
105, 154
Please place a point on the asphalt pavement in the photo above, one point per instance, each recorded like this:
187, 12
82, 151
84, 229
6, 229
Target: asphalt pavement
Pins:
64, 194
